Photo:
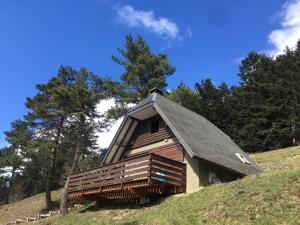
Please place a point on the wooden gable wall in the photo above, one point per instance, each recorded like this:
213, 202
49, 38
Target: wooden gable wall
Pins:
162, 142
142, 134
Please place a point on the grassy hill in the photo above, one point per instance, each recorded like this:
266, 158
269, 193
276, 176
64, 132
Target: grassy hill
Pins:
272, 197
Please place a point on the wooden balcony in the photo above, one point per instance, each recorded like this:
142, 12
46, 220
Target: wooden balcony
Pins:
144, 175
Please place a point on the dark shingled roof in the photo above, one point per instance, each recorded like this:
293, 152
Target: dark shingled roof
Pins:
200, 138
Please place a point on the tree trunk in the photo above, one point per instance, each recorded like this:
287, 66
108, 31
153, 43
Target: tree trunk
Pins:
49, 181
293, 126
10, 184
63, 197
51, 169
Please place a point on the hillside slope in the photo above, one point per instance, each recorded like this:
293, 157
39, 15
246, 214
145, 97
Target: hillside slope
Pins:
26, 207
272, 197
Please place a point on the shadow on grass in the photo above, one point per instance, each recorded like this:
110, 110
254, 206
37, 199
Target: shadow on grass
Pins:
122, 205
131, 223
55, 206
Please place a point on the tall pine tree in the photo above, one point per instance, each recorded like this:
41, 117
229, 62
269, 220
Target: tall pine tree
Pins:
143, 70
48, 111
86, 90
14, 156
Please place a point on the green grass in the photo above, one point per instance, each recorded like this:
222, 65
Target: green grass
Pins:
272, 197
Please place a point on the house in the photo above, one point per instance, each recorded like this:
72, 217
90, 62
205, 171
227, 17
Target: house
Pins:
162, 148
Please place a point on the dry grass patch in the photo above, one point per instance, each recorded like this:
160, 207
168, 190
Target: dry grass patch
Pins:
275, 160
26, 207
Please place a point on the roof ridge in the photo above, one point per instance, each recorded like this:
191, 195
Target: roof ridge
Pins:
142, 103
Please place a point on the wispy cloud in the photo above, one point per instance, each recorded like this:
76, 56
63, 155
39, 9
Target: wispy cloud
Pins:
163, 27
189, 31
289, 33
105, 137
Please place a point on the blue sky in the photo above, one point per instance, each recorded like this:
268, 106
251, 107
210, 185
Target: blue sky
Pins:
204, 39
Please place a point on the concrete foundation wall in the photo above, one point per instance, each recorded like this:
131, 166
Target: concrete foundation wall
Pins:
192, 174
200, 173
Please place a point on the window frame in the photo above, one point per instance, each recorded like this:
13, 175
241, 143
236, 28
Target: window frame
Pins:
155, 120
243, 159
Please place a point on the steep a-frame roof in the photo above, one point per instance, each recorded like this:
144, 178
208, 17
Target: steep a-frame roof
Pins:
199, 137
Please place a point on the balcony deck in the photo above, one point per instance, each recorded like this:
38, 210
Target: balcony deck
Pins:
144, 175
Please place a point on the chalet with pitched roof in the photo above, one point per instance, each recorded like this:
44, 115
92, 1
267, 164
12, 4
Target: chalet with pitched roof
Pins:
162, 148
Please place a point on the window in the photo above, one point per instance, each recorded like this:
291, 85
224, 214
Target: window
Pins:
154, 125
212, 177
243, 159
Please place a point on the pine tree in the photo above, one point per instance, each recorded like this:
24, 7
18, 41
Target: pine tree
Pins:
185, 96
205, 99
15, 154
144, 70
86, 91
48, 111
251, 106
3, 185
210, 100
287, 66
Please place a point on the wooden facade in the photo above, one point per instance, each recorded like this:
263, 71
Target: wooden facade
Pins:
143, 136
162, 142
151, 164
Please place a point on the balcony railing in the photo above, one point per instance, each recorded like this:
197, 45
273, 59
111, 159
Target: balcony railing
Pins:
148, 170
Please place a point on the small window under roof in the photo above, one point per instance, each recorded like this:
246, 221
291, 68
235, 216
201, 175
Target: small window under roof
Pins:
243, 159
154, 125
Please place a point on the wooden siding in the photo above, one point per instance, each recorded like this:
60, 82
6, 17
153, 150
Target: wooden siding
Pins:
172, 151
142, 135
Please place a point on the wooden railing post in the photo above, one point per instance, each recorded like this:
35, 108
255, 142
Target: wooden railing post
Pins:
149, 170
80, 183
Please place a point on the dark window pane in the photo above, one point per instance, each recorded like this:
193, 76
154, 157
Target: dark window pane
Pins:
154, 125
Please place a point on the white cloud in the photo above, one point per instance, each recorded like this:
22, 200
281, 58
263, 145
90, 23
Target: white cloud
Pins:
163, 27
289, 33
105, 137
7, 171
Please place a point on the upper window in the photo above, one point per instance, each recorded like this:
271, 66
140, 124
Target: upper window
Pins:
243, 159
154, 125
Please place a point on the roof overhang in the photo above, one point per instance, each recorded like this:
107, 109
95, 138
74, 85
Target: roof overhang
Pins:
126, 130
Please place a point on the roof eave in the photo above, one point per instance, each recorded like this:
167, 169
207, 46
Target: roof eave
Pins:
114, 139
132, 111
